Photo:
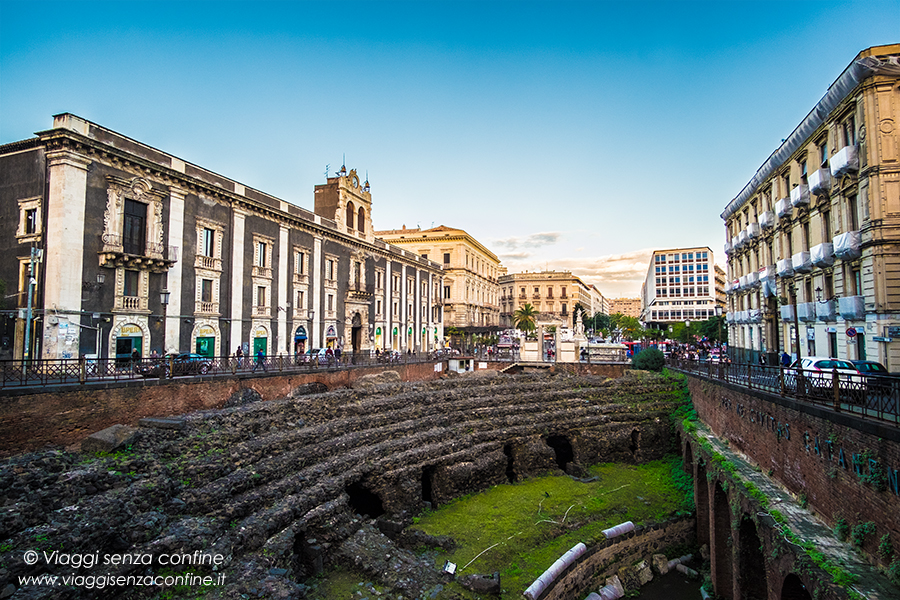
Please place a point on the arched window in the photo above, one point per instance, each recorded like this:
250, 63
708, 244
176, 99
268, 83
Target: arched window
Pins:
350, 213
361, 221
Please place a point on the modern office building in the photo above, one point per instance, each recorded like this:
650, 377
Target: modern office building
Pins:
553, 294
113, 246
471, 292
812, 240
680, 286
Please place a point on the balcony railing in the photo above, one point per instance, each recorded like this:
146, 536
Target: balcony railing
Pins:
264, 272
208, 262
207, 308
130, 303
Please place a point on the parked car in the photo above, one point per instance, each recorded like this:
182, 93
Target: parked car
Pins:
316, 356
876, 376
817, 372
186, 363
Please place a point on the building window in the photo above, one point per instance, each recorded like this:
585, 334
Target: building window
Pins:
848, 127
446, 292
565, 309
134, 227
424, 255
300, 263
351, 212
261, 254
446, 258
549, 291
31, 225
361, 221
209, 242
206, 290
131, 281
330, 302
823, 153
396, 309
852, 213
260, 295
300, 303
329, 269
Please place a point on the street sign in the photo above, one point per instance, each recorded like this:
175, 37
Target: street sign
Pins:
881, 339
851, 332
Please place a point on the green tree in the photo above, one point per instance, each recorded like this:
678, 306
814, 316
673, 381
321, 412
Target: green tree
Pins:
713, 328
601, 323
524, 318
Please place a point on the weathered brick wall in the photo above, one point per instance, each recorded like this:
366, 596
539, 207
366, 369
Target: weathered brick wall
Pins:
32, 419
782, 435
589, 573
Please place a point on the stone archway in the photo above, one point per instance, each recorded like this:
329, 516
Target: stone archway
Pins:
687, 461
793, 588
720, 550
751, 563
701, 500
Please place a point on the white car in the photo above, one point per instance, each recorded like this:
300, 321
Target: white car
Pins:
817, 371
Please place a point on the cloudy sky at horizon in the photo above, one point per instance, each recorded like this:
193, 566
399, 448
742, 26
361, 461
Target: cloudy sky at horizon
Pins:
562, 135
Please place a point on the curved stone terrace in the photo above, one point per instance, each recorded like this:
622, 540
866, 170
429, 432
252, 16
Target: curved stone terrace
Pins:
281, 489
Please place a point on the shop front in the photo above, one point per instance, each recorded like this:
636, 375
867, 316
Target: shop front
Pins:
205, 340
129, 338
300, 340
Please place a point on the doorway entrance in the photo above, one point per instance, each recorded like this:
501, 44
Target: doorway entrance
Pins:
356, 333
125, 346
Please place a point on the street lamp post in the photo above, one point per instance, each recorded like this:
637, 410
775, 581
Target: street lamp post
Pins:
164, 301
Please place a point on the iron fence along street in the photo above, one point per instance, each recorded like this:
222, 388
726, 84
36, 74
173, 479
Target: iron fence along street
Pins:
876, 398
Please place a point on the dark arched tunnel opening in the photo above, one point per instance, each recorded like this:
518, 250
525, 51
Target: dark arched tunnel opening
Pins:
427, 483
793, 589
363, 501
510, 463
751, 563
563, 450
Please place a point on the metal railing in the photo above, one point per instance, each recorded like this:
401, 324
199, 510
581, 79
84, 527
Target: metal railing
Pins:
43, 372
867, 396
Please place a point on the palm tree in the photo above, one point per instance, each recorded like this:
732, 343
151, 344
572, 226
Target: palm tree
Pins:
524, 317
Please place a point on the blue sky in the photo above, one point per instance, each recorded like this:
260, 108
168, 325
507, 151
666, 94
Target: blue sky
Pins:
562, 135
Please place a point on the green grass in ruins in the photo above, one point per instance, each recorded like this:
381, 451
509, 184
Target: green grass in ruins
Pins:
520, 529
526, 525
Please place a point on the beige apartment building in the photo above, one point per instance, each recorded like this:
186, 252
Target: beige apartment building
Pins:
680, 286
554, 295
471, 292
630, 307
812, 238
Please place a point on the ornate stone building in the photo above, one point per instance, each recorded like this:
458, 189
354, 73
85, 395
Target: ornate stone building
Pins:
471, 293
136, 249
812, 239
554, 295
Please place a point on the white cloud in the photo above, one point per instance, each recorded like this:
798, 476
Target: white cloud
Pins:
535, 240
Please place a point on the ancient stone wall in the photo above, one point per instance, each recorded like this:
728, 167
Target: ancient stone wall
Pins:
834, 459
33, 418
283, 484
604, 559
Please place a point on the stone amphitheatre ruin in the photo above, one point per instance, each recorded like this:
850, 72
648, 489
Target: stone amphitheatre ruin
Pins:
283, 489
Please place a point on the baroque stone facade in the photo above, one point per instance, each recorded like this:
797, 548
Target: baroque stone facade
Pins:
470, 293
140, 250
812, 238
